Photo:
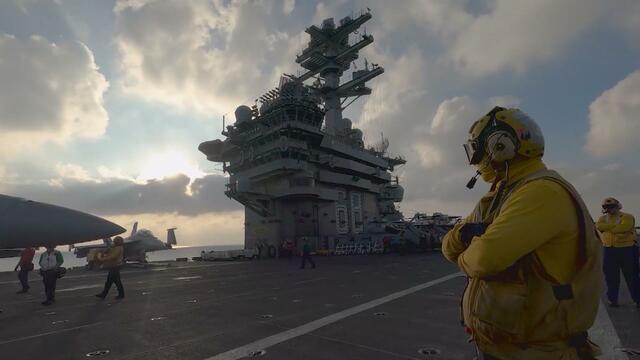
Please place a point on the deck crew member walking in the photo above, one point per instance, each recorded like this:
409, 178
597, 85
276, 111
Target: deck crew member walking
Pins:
620, 251
306, 254
50, 262
529, 249
25, 264
113, 260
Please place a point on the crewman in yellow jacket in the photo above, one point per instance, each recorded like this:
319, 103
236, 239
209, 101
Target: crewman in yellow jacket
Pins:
113, 259
620, 251
529, 249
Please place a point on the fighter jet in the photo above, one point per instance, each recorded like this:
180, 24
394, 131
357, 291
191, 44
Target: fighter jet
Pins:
136, 245
27, 223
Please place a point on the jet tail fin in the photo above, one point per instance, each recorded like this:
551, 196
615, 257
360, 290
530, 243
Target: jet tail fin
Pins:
171, 237
134, 230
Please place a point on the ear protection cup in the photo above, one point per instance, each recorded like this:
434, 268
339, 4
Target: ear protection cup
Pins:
501, 146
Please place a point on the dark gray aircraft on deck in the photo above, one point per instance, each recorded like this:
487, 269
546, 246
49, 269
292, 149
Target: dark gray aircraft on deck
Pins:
27, 223
136, 245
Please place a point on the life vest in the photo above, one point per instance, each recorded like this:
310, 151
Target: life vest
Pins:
621, 239
523, 313
114, 257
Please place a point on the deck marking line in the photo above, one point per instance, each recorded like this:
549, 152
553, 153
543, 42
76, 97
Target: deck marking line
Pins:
136, 271
81, 287
48, 333
308, 281
604, 334
243, 351
188, 277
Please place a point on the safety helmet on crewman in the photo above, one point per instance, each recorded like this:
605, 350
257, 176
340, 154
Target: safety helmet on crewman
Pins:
611, 203
502, 134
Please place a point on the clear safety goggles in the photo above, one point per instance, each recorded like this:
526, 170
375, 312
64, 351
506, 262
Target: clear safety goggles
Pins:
474, 148
474, 151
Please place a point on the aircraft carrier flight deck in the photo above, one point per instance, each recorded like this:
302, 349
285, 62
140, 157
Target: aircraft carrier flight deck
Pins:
351, 307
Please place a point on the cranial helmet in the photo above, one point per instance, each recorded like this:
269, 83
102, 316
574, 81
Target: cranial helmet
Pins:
502, 134
611, 203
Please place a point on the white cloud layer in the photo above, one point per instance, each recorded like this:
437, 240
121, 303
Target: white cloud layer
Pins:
207, 56
49, 92
518, 33
614, 119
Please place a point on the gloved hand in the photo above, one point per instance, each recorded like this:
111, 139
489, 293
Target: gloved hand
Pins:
469, 230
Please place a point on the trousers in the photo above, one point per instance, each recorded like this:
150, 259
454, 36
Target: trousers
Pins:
113, 278
23, 276
623, 259
49, 278
307, 257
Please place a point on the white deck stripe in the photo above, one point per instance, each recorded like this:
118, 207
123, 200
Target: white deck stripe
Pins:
267, 342
604, 334
142, 271
82, 287
48, 333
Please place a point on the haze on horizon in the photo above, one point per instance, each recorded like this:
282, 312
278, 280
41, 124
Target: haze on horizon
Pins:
103, 103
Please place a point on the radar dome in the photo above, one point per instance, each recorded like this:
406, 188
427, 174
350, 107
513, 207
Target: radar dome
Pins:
243, 114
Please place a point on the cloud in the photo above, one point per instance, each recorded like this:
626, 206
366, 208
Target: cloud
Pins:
614, 119
220, 228
121, 196
49, 92
208, 56
288, 6
444, 18
513, 35
24, 18
72, 171
428, 134
594, 183
626, 16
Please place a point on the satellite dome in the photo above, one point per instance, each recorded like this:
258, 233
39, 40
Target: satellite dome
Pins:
243, 114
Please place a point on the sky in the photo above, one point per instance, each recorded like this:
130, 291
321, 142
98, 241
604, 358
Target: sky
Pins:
103, 103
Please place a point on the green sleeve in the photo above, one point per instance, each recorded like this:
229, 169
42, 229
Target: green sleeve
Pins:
59, 258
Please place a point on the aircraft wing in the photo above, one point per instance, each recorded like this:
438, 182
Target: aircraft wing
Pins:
83, 251
30, 223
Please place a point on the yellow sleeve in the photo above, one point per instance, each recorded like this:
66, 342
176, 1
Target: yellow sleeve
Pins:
602, 224
452, 245
532, 215
110, 254
627, 224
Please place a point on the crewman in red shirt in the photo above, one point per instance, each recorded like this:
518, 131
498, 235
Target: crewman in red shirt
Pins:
25, 264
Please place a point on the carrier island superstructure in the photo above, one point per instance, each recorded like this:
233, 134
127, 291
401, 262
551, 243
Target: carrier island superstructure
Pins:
296, 164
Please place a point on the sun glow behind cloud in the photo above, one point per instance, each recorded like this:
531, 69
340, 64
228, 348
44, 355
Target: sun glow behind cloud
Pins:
168, 163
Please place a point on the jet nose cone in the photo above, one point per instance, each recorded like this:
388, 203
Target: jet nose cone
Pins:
30, 223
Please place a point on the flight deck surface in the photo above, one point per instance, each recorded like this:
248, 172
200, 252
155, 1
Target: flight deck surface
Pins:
352, 307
